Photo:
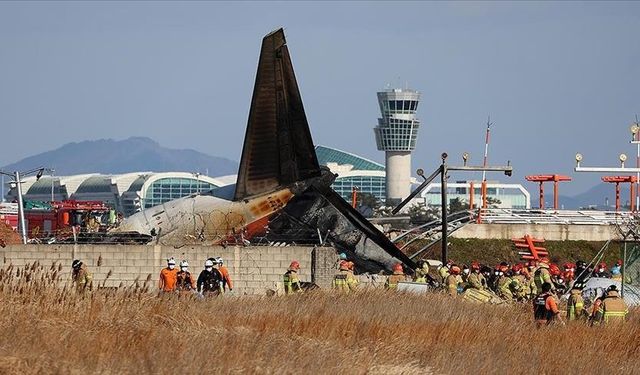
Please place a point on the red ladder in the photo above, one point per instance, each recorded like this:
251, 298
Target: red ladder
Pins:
529, 243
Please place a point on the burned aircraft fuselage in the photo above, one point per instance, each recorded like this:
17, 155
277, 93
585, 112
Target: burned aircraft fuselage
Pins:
281, 194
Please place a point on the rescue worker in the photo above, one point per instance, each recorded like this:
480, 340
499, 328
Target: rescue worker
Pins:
168, 276
520, 285
184, 281
344, 280
224, 271
528, 272
341, 257
210, 280
545, 307
613, 309
81, 276
465, 273
616, 271
601, 271
291, 280
452, 282
582, 271
443, 271
422, 272
569, 272
542, 275
504, 284
396, 277
487, 273
596, 313
556, 278
575, 305
476, 279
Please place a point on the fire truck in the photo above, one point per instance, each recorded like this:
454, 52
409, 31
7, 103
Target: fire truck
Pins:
56, 217
9, 214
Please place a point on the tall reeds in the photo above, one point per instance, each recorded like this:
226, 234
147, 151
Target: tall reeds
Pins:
47, 327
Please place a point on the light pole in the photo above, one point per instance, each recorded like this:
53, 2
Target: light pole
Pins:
16, 179
635, 131
52, 171
621, 169
443, 171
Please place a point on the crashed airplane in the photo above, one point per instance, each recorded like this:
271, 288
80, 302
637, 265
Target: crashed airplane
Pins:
281, 194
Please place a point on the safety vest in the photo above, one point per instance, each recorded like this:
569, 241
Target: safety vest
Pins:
542, 276
345, 281
290, 280
613, 308
393, 280
444, 273
575, 305
504, 287
421, 275
540, 311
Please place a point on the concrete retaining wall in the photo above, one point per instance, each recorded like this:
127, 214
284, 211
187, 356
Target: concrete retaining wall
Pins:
253, 269
552, 232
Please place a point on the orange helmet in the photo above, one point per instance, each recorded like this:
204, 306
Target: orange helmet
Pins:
397, 267
569, 266
344, 265
554, 269
295, 265
455, 270
517, 268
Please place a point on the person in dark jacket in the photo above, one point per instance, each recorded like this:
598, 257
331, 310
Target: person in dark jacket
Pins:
210, 280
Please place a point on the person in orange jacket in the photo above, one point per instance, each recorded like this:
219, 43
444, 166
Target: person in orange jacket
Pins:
224, 271
545, 307
185, 281
168, 277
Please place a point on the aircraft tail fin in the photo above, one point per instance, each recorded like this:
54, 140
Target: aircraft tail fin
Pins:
278, 149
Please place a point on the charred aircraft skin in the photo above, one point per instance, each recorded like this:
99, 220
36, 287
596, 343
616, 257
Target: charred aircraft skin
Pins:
281, 191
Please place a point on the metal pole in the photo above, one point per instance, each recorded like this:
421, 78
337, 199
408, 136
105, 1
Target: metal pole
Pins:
52, 170
23, 226
638, 178
624, 266
484, 164
443, 197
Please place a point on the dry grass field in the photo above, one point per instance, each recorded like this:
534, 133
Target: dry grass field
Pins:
45, 328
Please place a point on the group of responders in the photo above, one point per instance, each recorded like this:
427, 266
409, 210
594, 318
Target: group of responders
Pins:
539, 282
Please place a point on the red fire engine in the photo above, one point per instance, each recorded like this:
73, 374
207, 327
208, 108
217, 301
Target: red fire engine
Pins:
63, 215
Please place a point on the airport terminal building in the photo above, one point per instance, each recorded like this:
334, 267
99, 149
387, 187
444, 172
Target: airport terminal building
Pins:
127, 193
353, 171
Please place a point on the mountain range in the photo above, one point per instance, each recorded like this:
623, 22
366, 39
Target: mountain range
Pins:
141, 154
135, 154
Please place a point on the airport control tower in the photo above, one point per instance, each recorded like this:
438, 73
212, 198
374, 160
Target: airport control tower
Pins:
396, 135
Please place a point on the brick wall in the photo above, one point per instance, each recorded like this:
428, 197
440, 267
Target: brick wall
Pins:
253, 269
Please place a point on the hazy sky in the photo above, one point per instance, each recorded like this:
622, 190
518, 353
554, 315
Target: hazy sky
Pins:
556, 78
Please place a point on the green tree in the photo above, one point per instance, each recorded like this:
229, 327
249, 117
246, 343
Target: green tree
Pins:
493, 202
420, 214
458, 204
